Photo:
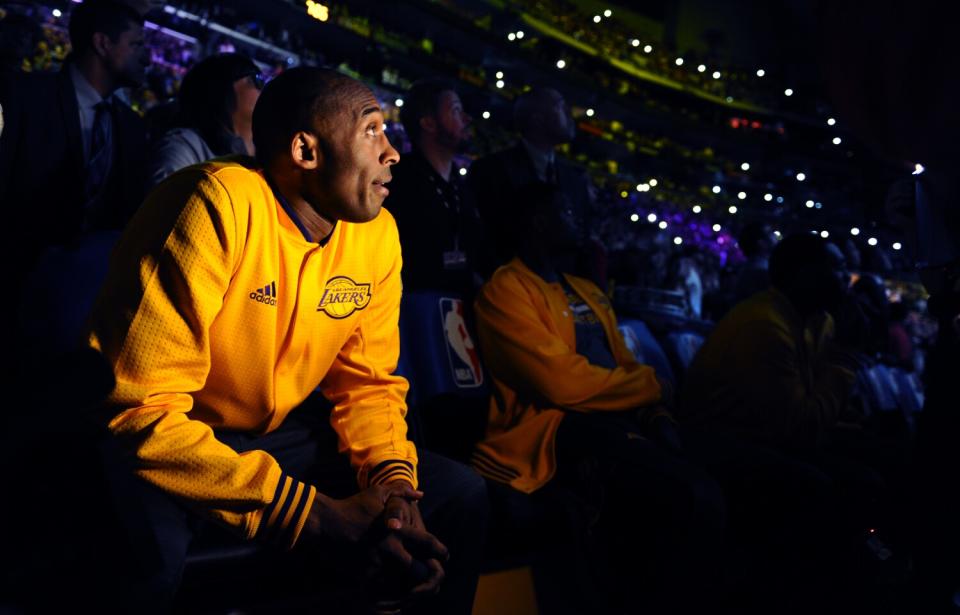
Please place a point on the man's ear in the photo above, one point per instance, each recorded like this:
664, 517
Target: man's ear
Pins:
305, 150
101, 43
428, 124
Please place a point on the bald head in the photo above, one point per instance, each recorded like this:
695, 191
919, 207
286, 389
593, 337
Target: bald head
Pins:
302, 99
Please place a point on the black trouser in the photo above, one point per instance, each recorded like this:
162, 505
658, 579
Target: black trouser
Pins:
661, 517
160, 530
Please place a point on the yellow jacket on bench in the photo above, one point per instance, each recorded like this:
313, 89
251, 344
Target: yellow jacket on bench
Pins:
529, 346
218, 313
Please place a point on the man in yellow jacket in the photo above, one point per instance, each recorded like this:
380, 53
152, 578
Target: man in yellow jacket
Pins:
568, 392
236, 291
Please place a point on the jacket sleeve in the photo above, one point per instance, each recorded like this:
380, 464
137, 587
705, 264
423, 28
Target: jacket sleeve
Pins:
166, 285
369, 399
793, 410
521, 350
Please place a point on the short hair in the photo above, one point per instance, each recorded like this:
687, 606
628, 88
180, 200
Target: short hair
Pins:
794, 256
106, 16
530, 104
207, 98
422, 100
300, 99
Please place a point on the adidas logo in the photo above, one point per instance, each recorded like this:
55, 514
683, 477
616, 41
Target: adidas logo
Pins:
267, 294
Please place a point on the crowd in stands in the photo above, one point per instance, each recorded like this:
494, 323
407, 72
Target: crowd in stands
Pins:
222, 255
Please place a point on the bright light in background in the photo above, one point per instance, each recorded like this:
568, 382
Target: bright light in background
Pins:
777, 234
647, 48
653, 182
741, 195
837, 140
761, 72
716, 228
485, 115
561, 63
678, 240
824, 234
398, 102
896, 245
779, 199
732, 209
678, 61
56, 12
716, 74
589, 112
624, 194
499, 74
745, 166
918, 169
463, 171
801, 177
635, 42
854, 231
872, 241
500, 83
831, 121
697, 209
643, 187
519, 33
701, 69
716, 189
608, 13
818, 204
651, 217
788, 92
768, 197
318, 11
663, 224
809, 204
511, 37
596, 19
634, 217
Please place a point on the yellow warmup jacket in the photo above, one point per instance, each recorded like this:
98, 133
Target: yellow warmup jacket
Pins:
218, 313
766, 375
528, 342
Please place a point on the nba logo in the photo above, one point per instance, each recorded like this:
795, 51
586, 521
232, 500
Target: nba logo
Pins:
464, 360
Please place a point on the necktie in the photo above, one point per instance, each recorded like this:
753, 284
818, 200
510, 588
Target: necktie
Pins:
101, 150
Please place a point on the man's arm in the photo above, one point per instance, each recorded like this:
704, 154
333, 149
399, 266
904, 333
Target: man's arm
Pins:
168, 277
521, 350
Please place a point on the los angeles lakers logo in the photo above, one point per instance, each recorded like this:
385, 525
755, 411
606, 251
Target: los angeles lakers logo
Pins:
342, 297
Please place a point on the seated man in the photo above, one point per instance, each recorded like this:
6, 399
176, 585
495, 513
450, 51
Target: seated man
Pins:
235, 292
569, 393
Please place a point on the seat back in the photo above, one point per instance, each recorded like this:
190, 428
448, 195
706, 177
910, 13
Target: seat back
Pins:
646, 348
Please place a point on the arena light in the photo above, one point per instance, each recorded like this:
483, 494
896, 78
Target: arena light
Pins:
662, 225
779, 199
635, 42
824, 234
596, 19
500, 84
716, 228
651, 217
56, 13
485, 115
624, 194
918, 169
854, 231
872, 241
837, 140
678, 61
768, 197
608, 13
745, 166
634, 217
653, 182
561, 63
801, 177
697, 209
647, 48
896, 245
678, 240
511, 37
809, 204
643, 187
716, 189
318, 11
519, 34
732, 209
831, 121
788, 92
701, 69
499, 74
741, 195
589, 112
398, 102
463, 172
777, 234
716, 74
761, 72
